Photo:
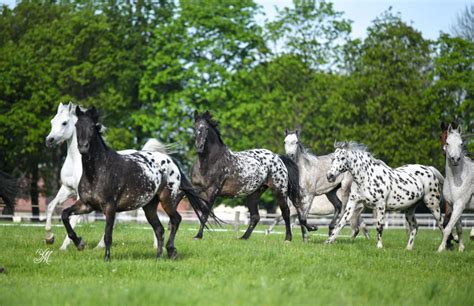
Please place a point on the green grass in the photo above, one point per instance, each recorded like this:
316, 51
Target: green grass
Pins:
222, 270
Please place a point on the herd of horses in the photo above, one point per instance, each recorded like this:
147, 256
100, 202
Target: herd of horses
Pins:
351, 178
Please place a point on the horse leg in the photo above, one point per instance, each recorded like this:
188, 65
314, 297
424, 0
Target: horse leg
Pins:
252, 204
210, 198
74, 220
357, 222
175, 219
471, 235
152, 217
412, 225
101, 243
458, 207
380, 212
348, 212
447, 216
275, 222
109, 227
332, 197
78, 208
459, 232
63, 194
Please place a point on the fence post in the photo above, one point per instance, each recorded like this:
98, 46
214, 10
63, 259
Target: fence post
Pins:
237, 221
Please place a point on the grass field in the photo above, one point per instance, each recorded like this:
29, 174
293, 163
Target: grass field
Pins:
222, 270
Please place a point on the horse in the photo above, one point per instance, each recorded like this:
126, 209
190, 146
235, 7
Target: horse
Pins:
63, 129
8, 192
313, 182
458, 189
382, 188
112, 182
220, 172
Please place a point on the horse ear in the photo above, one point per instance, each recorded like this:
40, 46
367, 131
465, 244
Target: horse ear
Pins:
443, 126
450, 129
297, 132
60, 106
286, 132
93, 114
79, 112
459, 129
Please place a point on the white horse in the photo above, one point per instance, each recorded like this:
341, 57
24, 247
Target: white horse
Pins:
63, 128
313, 182
382, 188
458, 189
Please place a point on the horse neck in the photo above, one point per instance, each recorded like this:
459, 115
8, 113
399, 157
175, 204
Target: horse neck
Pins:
72, 151
91, 162
455, 172
356, 169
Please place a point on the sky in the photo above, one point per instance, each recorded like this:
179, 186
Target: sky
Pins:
429, 16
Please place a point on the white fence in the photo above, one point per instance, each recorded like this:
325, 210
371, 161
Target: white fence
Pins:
239, 217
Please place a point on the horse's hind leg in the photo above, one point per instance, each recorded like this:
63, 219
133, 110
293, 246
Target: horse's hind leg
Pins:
412, 225
79, 208
152, 217
252, 204
175, 219
274, 223
457, 211
357, 222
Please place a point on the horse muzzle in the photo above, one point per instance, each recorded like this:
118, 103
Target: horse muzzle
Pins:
83, 148
331, 177
51, 142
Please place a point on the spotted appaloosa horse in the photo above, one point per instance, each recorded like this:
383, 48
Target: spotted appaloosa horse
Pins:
220, 172
458, 189
112, 183
313, 182
382, 188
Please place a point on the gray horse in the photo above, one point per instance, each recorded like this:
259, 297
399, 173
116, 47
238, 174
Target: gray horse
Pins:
313, 182
458, 188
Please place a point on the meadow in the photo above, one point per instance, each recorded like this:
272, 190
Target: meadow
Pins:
223, 270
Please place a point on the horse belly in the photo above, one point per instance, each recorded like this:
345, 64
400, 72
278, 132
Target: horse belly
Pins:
321, 206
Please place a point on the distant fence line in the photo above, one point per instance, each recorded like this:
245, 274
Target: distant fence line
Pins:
237, 218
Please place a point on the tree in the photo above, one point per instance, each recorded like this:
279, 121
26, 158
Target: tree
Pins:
464, 24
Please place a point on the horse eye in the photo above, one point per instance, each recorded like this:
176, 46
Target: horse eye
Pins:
64, 123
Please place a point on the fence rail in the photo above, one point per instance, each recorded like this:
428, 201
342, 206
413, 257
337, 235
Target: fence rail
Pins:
237, 218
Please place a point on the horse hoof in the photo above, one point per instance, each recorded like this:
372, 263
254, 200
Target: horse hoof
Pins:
244, 238
197, 238
49, 238
172, 254
313, 228
107, 258
81, 245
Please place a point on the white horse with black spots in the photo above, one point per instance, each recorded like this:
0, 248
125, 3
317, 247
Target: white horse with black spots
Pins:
458, 189
313, 183
63, 129
382, 188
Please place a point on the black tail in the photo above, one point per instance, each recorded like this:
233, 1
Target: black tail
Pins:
8, 192
199, 205
293, 180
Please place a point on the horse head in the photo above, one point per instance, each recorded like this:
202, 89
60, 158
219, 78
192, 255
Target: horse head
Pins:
292, 143
454, 145
87, 127
62, 125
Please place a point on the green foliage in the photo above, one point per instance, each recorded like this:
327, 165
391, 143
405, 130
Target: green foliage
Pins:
222, 270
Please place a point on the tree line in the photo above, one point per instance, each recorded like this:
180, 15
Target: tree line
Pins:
147, 65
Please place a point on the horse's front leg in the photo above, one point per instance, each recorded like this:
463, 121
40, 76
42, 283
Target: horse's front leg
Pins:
63, 194
348, 212
79, 208
458, 208
252, 204
109, 212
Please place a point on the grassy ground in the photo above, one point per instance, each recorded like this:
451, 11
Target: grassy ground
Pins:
221, 270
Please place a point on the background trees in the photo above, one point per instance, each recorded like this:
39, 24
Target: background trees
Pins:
147, 65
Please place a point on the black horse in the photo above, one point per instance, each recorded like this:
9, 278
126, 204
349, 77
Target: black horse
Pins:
8, 192
220, 172
112, 183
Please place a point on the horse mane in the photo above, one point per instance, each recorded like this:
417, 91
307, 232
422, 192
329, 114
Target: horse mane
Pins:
351, 146
211, 121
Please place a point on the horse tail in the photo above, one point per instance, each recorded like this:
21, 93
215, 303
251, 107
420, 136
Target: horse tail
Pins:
438, 174
154, 145
294, 192
8, 192
199, 205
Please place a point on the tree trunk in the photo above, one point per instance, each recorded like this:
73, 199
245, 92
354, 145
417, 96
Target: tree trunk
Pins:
34, 192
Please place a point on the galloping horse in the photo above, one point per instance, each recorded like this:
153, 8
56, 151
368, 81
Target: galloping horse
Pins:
382, 188
313, 182
458, 189
220, 172
63, 129
112, 183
